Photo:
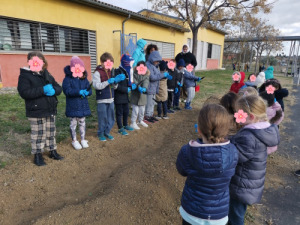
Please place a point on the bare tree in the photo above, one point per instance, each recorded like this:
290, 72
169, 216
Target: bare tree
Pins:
205, 13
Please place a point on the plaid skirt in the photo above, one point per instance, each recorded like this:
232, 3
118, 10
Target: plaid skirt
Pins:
43, 132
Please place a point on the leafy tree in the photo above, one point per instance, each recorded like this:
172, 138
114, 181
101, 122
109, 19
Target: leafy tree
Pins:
206, 13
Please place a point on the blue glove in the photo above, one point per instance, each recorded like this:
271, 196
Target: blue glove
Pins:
176, 90
119, 78
142, 90
51, 92
196, 127
179, 84
82, 93
47, 88
133, 86
166, 74
169, 77
111, 80
86, 92
199, 78
129, 89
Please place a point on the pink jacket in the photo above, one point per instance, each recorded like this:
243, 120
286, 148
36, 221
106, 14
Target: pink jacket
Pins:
271, 112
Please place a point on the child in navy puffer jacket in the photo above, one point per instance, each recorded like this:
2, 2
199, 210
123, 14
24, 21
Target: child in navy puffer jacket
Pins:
252, 141
76, 87
208, 163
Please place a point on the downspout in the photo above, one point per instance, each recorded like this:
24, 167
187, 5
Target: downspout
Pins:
123, 23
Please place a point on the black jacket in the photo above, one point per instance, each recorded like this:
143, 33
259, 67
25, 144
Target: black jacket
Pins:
30, 88
177, 77
121, 93
188, 58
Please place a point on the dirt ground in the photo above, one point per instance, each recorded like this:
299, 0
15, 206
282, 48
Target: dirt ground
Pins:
131, 180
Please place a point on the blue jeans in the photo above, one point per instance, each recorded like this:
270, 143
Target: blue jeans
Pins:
176, 98
106, 118
237, 211
162, 106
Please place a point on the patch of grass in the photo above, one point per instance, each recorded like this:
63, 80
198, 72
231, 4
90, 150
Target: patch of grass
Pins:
15, 127
2, 164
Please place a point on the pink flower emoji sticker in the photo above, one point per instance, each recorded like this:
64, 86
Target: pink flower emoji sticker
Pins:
171, 65
108, 64
235, 77
190, 68
270, 89
240, 116
252, 78
77, 70
36, 64
142, 70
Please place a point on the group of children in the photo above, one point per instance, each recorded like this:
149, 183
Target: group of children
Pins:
226, 166
144, 85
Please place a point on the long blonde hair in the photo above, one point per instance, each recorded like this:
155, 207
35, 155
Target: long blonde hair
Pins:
252, 104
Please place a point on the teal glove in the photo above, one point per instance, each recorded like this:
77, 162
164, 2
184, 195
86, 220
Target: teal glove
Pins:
199, 78
111, 80
82, 93
51, 92
129, 89
176, 90
179, 84
47, 88
120, 78
169, 77
196, 127
166, 74
133, 86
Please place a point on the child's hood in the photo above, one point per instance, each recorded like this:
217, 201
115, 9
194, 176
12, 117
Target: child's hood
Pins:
154, 57
141, 43
68, 71
264, 132
209, 158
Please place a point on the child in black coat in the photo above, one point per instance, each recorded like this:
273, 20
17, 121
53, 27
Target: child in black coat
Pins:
39, 90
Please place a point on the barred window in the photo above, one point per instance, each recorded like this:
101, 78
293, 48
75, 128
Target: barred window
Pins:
17, 35
167, 50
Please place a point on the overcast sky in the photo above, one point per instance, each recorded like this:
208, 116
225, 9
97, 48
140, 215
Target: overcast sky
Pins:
285, 15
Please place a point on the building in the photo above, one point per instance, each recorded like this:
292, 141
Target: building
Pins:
87, 28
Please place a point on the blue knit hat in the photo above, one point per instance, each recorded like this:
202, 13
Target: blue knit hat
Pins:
269, 73
181, 63
125, 60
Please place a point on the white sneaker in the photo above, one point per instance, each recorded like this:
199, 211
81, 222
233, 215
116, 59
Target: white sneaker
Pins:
143, 124
76, 145
135, 126
84, 143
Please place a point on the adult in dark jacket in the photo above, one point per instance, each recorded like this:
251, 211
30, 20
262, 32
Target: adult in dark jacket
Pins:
121, 96
77, 89
208, 163
246, 186
187, 56
39, 90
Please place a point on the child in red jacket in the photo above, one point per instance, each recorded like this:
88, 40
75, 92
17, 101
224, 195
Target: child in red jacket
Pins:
238, 81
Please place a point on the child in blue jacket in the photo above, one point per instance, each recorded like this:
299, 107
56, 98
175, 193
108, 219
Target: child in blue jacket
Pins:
76, 87
208, 163
252, 141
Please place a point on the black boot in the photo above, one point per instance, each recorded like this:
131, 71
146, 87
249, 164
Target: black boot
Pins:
39, 160
55, 155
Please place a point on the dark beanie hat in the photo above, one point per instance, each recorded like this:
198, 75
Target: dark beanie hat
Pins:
181, 63
163, 65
